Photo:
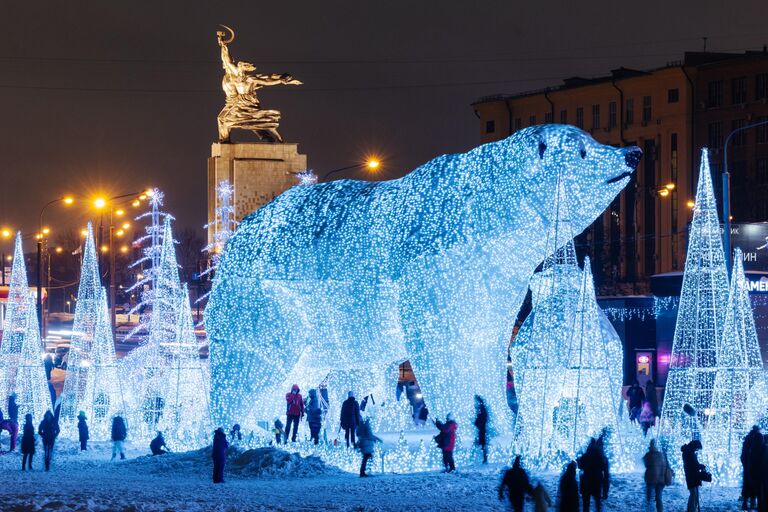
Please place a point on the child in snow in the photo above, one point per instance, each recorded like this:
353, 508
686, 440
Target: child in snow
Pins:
119, 433
647, 418
447, 441
27, 443
82, 430
235, 435
366, 441
277, 429
219, 454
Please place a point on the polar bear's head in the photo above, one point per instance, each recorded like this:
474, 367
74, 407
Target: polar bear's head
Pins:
540, 158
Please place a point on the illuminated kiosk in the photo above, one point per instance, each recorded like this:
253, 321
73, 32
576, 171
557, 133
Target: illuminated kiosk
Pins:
431, 267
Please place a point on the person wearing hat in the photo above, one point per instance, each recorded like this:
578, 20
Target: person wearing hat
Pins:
82, 430
447, 441
350, 418
157, 445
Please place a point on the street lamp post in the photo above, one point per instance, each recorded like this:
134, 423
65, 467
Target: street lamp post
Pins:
68, 200
372, 164
727, 194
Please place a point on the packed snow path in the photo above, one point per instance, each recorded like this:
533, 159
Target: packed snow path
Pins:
181, 482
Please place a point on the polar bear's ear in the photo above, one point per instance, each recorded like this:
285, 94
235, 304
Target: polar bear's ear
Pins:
542, 149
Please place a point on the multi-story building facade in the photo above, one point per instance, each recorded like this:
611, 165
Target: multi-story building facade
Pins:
666, 112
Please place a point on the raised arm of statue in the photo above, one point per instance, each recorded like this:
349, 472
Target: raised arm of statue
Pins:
226, 61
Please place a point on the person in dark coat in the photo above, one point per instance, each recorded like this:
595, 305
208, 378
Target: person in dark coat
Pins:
27, 443
13, 409
594, 473
568, 490
635, 396
366, 442
314, 416
751, 455
219, 454
517, 484
350, 418
655, 469
652, 397
693, 473
82, 430
481, 423
119, 433
762, 477
294, 411
157, 445
448, 441
49, 431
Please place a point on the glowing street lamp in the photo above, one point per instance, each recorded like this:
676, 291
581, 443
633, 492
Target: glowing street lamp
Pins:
371, 164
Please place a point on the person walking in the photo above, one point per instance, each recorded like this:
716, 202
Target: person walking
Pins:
751, 454
48, 431
646, 418
27, 443
157, 445
695, 473
219, 454
517, 484
568, 490
366, 441
350, 418
541, 499
594, 473
82, 431
314, 416
119, 433
447, 441
655, 475
13, 418
636, 396
481, 423
294, 411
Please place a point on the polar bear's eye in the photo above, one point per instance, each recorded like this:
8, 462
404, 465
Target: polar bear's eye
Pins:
583, 153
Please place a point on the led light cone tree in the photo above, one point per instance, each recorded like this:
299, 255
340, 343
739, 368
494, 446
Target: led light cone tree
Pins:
79, 360
739, 396
539, 352
223, 225
186, 415
700, 321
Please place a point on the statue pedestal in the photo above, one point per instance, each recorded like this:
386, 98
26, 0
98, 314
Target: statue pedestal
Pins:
258, 171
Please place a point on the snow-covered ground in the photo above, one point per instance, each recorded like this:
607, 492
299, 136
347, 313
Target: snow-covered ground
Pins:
270, 479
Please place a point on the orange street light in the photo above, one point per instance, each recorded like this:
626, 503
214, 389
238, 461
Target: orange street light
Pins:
136, 203
664, 192
124, 249
99, 203
6, 233
669, 186
46, 231
59, 250
120, 212
119, 232
68, 200
104, 248
83, 233
126, 225
690, 204
373, 164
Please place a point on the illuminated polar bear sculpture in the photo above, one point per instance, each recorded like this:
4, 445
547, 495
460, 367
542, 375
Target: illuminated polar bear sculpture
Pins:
431, 267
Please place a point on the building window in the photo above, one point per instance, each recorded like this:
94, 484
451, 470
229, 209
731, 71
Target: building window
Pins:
580, 117
715, 135
595, 117
630, 114
612, 114
646, 109
548, 117
564, 116
518, 123
761, 86
715, 94
739, 90
762, 170
761, 131
531, 120
739, 138
673, 95
490, 126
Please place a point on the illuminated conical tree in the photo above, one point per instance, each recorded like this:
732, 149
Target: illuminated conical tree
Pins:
79, 360
539, 352
700, 320
739, 396
186, 418
23, 372
17, 299
147, 366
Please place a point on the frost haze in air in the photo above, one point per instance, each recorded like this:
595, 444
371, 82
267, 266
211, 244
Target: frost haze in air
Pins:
431, 267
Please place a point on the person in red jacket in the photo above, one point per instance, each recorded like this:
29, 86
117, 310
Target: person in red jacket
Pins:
447, 441
294, 411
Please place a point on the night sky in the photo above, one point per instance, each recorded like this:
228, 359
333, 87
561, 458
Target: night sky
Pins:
116, 96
